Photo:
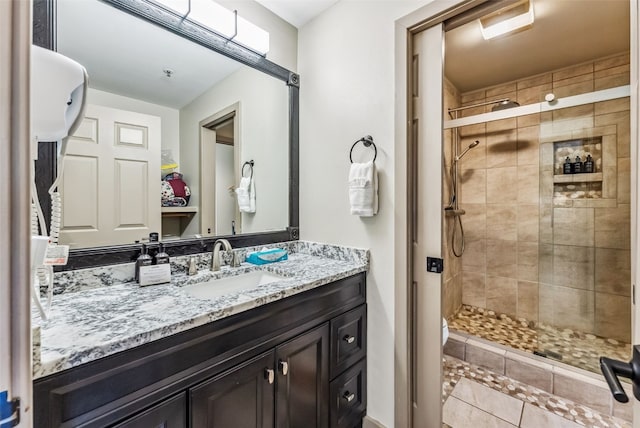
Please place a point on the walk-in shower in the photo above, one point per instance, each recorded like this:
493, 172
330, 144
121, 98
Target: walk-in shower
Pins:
545, 266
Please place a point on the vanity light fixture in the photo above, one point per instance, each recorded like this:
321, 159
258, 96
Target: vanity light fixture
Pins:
517, 16
221, 21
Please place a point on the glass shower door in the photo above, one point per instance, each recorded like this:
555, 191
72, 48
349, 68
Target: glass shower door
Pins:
584, 285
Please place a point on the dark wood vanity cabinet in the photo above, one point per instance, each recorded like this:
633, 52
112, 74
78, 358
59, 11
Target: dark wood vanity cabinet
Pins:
299, 362
286, 387
242, 397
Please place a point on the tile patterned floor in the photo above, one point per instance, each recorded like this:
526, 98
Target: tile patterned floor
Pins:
476, 397
572, 347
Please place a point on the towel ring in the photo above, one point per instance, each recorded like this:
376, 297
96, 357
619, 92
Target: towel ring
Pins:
367, 140
250, 163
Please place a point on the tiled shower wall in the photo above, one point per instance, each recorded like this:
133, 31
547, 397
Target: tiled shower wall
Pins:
507, 192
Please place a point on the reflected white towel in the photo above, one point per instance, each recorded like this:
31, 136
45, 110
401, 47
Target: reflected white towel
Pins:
246, 192
363, 189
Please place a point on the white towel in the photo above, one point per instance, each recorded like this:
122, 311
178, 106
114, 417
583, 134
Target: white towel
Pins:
363, 189
246, 192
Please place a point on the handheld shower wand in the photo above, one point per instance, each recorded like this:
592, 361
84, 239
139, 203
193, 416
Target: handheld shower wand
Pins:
471, 146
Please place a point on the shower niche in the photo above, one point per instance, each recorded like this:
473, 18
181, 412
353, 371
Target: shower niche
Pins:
578, 184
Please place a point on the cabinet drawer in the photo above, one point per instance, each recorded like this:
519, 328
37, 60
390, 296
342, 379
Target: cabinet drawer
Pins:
348, 339
168, 414
349, 397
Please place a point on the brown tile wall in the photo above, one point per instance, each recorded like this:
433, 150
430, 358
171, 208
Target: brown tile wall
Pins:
557, 260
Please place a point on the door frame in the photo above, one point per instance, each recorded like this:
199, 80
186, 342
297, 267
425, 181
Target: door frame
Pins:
434, 13
204, 129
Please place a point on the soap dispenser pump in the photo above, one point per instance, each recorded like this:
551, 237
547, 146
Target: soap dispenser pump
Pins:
143, 260
162, 257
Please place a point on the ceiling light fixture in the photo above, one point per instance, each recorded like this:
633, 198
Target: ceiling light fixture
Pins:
517, 16
220, 20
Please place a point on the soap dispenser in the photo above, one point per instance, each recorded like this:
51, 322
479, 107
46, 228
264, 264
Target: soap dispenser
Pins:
143, 260
577, 166
588, 164
567, 167
162, 257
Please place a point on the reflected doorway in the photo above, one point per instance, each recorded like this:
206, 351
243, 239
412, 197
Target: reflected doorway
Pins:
219, 147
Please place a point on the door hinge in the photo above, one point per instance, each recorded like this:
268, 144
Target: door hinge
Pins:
435, 265
9, 411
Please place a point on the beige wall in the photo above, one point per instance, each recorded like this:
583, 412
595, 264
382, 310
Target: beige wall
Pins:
575, 274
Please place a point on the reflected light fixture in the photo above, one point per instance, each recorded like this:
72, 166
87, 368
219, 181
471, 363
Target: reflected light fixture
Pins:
220, 20
515, 17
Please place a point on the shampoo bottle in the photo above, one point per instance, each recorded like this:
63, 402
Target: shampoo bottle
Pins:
588, 164
567, 167
143, 260
577, 166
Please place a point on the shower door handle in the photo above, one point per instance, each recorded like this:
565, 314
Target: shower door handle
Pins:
611, 369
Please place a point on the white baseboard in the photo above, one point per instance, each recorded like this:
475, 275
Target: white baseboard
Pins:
368, 422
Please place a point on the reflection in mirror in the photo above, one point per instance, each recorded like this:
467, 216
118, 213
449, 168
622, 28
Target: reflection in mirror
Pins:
159, 104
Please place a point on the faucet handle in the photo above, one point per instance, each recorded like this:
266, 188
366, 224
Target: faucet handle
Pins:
236, 260
193, 269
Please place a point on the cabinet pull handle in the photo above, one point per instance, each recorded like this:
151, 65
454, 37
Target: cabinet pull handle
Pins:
349, 396
269, 375
349, 339
284, 367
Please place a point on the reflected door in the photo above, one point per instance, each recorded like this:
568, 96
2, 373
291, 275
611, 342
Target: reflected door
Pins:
111, 184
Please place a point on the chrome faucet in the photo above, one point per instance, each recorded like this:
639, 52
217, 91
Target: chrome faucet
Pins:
215, 255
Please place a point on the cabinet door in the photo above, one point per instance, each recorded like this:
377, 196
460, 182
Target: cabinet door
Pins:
302, 387
171, 413
242, 397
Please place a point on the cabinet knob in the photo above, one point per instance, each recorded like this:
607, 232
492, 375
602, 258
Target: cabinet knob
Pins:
269, 374
284, 367
349, 339
349, 396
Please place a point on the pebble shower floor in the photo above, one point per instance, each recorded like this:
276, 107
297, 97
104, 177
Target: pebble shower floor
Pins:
572, 347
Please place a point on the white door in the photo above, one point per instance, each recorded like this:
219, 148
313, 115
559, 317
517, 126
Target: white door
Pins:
111, 181
427, 232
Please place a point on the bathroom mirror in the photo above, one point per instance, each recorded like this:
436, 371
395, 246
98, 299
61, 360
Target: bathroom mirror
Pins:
189, 97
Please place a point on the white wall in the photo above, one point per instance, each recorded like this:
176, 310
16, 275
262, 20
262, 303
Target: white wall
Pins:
346, 64
263, 136
170, 117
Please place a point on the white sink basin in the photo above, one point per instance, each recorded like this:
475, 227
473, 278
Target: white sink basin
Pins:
219, 287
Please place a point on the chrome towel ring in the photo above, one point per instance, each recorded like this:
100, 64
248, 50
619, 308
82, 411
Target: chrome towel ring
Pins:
367, 140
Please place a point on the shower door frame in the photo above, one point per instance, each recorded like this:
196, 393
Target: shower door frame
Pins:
434, 13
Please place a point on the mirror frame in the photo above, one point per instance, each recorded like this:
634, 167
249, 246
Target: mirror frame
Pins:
44, 35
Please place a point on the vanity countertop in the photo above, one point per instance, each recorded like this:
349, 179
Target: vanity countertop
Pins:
90, 324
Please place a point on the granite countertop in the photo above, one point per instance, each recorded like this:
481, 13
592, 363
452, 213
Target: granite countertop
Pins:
98, 321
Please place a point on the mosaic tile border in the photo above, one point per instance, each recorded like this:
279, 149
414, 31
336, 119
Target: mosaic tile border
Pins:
570, 346
455, 369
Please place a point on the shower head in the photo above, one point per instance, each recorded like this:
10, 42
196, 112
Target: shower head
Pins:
471, 146
505, 104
